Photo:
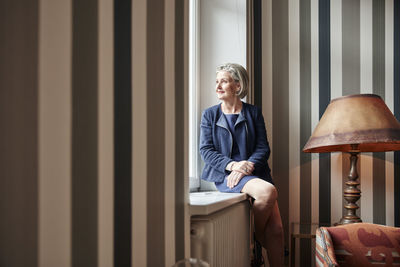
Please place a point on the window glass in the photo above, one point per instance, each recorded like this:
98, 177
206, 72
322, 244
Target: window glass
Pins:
217, 33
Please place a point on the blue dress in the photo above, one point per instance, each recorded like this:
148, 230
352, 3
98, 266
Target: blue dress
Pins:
222, 186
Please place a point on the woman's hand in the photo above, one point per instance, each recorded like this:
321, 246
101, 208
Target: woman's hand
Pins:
244, 166
234, 178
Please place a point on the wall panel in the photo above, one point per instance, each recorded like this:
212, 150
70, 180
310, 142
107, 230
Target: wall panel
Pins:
92, 107
355, 52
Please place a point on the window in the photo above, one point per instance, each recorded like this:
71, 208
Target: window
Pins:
217, 34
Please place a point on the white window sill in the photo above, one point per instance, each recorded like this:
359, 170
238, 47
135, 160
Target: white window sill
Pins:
204, 203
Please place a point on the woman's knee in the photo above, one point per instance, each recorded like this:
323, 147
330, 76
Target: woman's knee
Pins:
268, 193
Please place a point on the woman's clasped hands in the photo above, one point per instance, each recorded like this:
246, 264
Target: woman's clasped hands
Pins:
239, 170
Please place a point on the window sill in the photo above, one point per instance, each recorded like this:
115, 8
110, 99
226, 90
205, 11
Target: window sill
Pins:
204, 203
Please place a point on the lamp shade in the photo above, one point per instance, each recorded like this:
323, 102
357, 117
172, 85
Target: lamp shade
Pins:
362, 120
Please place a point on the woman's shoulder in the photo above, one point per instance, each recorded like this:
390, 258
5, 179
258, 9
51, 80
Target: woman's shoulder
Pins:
212, 110
251, 108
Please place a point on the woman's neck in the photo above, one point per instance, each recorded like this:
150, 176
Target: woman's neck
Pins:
231, 107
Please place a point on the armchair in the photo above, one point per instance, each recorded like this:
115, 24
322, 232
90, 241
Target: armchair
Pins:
358, 244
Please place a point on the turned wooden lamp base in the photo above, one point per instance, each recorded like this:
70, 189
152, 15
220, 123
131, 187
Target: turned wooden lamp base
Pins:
351, 193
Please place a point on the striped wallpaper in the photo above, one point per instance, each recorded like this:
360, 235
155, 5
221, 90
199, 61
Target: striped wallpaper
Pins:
94, 122
93, 141
314, 51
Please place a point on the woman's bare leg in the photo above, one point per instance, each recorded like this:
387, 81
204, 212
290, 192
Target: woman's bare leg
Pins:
273, 235
267, 220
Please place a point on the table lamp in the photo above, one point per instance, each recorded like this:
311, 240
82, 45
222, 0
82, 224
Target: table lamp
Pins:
354, 124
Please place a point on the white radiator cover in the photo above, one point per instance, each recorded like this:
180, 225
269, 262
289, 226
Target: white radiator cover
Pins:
222, 238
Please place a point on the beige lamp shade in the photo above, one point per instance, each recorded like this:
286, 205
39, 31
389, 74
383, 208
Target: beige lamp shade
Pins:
362, 120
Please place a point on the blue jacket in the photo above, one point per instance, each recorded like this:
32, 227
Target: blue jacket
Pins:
216, 142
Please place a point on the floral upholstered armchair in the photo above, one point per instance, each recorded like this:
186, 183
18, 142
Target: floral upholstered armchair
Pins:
359, 244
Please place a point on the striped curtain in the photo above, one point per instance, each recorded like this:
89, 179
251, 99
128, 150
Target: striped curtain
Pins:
93, 121
314, 51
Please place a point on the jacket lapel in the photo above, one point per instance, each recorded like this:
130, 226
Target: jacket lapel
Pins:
240, 118
222, 122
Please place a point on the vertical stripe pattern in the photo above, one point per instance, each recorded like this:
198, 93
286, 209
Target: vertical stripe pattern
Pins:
336, 91
294, 117
352, 58
84, 137
350, 67
305, 127
366, 77
280, 82
53, 145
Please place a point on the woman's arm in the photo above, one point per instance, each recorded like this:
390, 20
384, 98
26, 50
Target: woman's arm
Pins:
207, 149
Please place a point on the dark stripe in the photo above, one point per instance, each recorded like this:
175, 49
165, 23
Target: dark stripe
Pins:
379, 192
324, 18
280, 81
351, 64
179, 129
257, 35
19, 35
155, 134
396, 97
378, 66
351, 46
84, 133
305, 129
122, 133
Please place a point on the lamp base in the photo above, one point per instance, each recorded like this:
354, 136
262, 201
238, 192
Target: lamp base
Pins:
351, 193
348, 220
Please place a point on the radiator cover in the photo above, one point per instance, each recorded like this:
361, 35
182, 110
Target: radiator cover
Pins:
222, 238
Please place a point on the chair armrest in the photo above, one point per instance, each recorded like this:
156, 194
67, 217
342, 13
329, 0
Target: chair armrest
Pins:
324, 251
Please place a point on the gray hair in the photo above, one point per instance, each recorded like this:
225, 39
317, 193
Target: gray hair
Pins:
239, 74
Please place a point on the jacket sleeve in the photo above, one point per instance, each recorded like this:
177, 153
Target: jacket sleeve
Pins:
262, 151
207, 149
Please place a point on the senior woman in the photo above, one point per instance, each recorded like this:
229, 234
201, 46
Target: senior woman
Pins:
235, 149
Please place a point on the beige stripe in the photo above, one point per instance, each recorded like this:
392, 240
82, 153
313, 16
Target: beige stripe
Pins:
169, 202
294, 111
294, 116
106, 135
314, 108
389, 95
139, 139
55, 53
266, 27
336, 91
366, 160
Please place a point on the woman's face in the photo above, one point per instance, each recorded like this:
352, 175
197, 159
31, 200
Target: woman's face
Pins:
225, 86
